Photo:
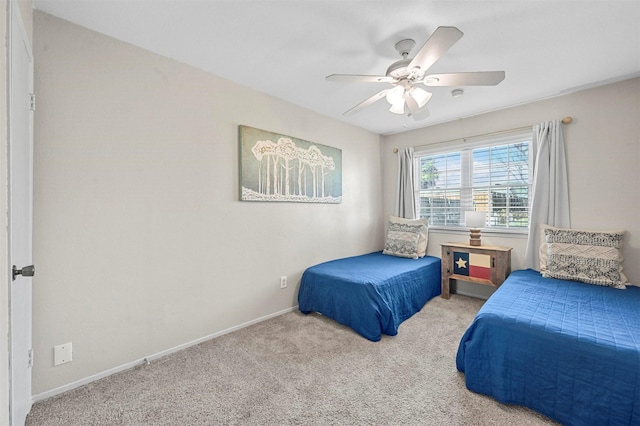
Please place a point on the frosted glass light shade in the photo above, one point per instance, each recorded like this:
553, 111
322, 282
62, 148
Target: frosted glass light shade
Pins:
396, 95
419, 95
397, 108
475, 220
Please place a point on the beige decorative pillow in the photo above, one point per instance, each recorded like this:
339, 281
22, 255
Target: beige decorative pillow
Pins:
586, 256
406, 238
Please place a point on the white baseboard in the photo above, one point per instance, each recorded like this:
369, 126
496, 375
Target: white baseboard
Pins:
93, 378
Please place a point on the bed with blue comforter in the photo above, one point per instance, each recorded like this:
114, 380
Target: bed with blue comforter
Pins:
372, 293
566, 349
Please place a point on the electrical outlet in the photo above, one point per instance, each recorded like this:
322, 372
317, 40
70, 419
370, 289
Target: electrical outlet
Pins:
62, 354
283, 282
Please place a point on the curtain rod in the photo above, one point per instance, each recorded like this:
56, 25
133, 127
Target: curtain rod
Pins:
566, 120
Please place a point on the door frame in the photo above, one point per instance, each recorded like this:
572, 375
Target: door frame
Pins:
4, 225
16, 26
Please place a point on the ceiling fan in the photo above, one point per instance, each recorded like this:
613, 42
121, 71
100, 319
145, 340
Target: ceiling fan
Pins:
405, 75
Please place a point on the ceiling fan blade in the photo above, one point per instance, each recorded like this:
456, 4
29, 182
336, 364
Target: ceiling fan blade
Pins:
349, 78
437, 45
416, 112
364, 104
479, 78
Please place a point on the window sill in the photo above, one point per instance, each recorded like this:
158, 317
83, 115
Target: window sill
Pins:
506, 233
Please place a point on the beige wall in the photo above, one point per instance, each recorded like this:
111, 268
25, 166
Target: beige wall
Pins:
603, 153
140, 240
26, 11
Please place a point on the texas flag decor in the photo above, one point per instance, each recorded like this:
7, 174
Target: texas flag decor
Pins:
472, 265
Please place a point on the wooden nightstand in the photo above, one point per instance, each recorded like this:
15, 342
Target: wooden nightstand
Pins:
488, 265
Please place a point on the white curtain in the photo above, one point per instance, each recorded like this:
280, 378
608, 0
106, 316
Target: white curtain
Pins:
405, 199
550, 204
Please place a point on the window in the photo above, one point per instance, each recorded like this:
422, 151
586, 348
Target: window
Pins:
493, 175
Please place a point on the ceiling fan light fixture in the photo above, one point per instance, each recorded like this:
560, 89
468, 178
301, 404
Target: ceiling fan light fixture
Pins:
397, 108
419, 95
405, 74
396, 95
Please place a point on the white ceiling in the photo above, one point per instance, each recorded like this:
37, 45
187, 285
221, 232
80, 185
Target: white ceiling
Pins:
286, 48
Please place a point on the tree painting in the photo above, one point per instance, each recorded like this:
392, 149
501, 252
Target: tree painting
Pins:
282, 168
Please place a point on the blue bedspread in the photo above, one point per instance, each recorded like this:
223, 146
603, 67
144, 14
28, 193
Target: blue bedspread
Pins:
568, 350
372, 293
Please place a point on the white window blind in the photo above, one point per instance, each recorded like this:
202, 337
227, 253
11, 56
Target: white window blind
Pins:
491, 174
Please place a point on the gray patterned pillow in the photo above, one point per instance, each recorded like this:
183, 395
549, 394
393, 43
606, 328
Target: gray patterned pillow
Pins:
404, 238
420, 226
586, 256
542, 253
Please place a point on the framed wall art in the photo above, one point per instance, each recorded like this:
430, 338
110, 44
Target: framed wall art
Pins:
275, 167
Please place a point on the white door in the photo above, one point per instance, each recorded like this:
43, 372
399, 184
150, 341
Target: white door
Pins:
20, 71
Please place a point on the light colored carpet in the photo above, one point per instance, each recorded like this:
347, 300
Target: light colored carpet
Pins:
298, 370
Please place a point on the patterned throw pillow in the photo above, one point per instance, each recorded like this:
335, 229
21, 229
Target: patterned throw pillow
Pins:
542, 254
406, 238
586, 256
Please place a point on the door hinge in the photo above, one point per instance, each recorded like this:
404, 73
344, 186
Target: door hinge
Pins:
30, 355
32, 101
